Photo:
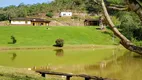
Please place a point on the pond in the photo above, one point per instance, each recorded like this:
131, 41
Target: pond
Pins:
54, 57
115, 63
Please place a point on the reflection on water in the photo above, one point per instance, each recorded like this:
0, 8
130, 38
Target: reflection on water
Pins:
59, 52
14, 55
126, 67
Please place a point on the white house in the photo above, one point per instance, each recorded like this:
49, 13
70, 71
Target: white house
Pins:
29, 21
20, 22
65, 14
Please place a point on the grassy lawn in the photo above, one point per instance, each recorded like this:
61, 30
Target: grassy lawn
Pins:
8, 73
41, 36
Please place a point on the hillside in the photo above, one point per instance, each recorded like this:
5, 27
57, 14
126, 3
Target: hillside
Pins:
41, 36
56, 6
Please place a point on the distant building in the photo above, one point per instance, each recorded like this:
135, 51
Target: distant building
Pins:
65, 14
94, 22
91, 22
29, 21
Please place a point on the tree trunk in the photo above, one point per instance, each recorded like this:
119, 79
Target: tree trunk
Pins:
124, 41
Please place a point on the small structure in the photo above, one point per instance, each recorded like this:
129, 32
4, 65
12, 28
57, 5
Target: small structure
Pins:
29, 21
91, 22
62, 14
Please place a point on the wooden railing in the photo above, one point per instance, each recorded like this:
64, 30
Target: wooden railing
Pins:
68, 76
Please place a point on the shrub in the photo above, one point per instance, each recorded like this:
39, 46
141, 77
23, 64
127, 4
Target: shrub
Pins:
74, 17
49, 14
59, 43
13, 40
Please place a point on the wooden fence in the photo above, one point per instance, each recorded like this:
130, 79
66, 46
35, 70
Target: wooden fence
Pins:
68, 76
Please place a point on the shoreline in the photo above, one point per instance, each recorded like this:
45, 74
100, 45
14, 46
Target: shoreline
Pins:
90, 46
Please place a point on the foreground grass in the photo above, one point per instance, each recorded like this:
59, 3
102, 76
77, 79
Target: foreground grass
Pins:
41, 36
8, 73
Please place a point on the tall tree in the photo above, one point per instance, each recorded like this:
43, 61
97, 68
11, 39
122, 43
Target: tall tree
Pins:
136, 6
124, 41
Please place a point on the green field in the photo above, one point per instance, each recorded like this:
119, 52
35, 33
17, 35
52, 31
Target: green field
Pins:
41, 36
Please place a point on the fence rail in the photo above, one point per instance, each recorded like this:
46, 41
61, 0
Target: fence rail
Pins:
68, 76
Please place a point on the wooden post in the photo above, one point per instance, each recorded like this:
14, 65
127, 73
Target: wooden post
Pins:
68, 77
86, 78
43, 74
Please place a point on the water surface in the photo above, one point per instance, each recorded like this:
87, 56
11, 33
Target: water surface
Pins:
115, 63
55, 57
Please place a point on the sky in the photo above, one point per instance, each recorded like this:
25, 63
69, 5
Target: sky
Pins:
4, 3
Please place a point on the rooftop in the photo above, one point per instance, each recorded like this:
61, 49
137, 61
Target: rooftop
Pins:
30, 19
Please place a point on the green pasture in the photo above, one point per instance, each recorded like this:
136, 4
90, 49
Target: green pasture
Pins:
41, 36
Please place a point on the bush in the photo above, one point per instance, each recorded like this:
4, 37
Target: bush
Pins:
74, 17
49, 14
13, 40
59, 43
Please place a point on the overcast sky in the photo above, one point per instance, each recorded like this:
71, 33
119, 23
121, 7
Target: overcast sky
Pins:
4, 3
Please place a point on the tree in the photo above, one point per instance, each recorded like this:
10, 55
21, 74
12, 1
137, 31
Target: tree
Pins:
92, 7
3, 17
22, 12
130, 22
124, 41
49, 14
136, 6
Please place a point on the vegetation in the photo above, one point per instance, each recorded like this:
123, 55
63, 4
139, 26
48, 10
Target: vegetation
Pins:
130, 26
59, 42
40, 36
9, 73
130, 23
116, 1
49, 14
13, 40
124, 41
23, 10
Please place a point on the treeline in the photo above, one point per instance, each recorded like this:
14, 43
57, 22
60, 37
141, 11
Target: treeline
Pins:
23, 10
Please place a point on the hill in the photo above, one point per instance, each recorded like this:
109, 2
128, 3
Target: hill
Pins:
56, 6
41, 36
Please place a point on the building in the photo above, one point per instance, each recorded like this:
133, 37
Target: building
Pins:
91, 22
62, 14
29, 21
